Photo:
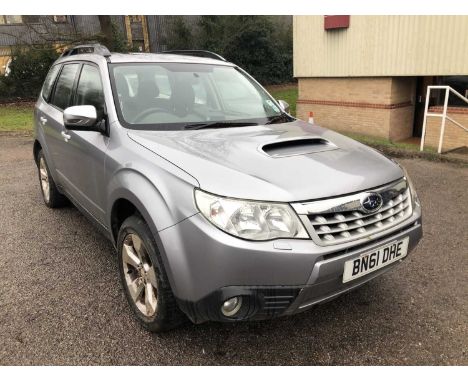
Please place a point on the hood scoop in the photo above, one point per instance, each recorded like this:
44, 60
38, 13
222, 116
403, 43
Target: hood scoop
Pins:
297, 146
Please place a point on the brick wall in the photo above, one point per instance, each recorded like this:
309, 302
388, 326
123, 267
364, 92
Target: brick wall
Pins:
373, 122
377, 106
454, 136
353, 89
401, 123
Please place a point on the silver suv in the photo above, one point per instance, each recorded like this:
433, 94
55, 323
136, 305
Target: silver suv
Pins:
221, 205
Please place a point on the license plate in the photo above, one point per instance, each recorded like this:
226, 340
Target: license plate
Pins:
378, 258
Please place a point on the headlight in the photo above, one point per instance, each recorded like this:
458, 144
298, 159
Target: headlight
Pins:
250, 220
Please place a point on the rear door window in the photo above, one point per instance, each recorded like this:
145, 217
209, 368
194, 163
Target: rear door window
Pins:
64, 88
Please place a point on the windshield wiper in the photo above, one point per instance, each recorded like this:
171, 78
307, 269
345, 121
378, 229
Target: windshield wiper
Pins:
279, 118
217, 124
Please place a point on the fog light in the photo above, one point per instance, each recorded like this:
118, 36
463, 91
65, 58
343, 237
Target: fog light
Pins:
231, 307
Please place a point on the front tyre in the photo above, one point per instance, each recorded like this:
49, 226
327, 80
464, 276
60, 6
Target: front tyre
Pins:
143, 277
50, 194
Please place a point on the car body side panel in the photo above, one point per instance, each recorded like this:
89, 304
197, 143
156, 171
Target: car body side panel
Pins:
161, 192
52, 140
161, 185
161, 206
83, 164
39, 135
147, 211
150, 203
83, 170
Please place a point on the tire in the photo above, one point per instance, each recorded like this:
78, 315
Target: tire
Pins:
50, 194
141, 284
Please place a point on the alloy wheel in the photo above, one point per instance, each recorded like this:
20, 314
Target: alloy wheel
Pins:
44, 176
140, 275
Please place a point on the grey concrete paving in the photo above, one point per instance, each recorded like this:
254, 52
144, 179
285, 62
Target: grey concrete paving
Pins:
61, 301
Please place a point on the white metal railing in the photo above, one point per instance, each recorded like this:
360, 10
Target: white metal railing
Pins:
442, 115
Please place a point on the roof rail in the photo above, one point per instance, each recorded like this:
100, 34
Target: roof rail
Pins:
87, 49
197, 53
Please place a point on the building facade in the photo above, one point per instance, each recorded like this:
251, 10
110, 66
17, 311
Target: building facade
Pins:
149, 33
369, 74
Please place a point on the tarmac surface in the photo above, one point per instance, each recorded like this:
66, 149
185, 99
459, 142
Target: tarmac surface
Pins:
61, 302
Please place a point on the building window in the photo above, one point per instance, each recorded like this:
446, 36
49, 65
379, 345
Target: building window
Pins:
459, 83
11, 19
60, 19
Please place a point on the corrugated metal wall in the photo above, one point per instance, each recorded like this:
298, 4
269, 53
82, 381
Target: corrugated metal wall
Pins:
34, 33
160, 30
47, 30
86, 25
382, 46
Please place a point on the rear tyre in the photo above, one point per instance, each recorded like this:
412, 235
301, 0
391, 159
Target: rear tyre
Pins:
50, 194
143, 277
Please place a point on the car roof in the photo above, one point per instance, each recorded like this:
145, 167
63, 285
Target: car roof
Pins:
143, 57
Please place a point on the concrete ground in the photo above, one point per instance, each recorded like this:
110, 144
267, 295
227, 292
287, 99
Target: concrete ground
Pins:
61, 301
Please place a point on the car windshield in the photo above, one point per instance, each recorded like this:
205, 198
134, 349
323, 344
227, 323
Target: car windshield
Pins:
174, 96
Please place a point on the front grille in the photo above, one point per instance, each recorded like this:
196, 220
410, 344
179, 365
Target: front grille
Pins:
366, 244
347, 226
340, 220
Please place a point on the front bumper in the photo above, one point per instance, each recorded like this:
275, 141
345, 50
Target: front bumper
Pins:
207, 267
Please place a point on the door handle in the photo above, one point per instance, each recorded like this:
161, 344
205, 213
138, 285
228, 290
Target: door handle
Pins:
43, 120
65, 136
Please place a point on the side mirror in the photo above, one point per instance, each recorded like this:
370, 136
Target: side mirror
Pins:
284, 105
82, 117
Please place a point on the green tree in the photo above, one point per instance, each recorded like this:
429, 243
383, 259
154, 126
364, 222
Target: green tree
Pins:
105, 22
255, 43
29, 66
181, 36
116, 41
211, 35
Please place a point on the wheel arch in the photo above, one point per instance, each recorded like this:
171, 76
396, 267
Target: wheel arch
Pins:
132, 192
157, 202
126, 205
121, 210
